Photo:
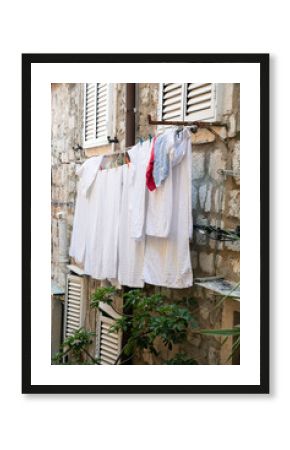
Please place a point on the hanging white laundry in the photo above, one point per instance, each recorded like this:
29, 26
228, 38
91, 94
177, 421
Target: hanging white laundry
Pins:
182, 145
159, 209
87, 174
167, 261
94, 224
111, 219
101, 259
139, 157
130, 250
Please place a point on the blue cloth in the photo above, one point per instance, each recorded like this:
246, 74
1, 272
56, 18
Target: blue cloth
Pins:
161, 159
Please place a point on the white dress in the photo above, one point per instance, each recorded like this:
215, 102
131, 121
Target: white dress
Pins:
167, 260
87, 174
130, 250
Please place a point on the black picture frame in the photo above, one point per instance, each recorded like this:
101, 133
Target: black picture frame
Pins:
27, 61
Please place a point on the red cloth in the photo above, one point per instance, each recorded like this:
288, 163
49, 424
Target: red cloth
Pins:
150, 183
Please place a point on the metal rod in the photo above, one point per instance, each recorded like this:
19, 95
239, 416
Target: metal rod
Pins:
181, 123
230, 173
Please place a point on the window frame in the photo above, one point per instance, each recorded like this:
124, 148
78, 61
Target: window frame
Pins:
212, 115
99, 142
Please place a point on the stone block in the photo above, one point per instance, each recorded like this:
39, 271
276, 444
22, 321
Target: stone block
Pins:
195, 340
71, 186
201, 239
234, 204
64, 157
71, 170
71, 122
236, 157
219, 260
218, 200
71, 155
202, 136
216, 162
54, 178
198, 165
194, 259
194, 196
235, 265
213, 356
236, 161
202, 220
221, 131
228, 98
204, 312
205, 192
234, 246
202, 195
232, 126
206, 262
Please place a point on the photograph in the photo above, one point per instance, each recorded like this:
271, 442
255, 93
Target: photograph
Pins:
136, 216
145, 220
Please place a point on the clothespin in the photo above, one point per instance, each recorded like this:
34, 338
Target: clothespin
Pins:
150, 137
140, 140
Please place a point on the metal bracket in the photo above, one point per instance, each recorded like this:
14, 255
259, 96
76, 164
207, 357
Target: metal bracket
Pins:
114, 140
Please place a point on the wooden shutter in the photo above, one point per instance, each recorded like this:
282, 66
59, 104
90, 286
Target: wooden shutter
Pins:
90, 111
108, 344
172, 101
102, 112
74, 304
96, 120
200, 101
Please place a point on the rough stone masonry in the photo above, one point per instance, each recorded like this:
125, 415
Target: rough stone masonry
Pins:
215, 196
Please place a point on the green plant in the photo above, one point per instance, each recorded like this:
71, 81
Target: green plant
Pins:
226, 333
151, 319
105, 294
146, 319
74, 347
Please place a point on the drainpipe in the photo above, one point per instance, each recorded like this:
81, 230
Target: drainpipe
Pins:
115, 97
129, 141
130, 115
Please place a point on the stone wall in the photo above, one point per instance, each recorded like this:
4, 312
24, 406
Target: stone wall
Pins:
66, 133
215, 197
215, 201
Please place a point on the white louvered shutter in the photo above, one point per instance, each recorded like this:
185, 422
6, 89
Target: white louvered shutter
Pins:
200, 101
97, 114
74, 304
108, 344
172, 101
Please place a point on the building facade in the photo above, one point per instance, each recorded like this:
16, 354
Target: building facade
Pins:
85, 115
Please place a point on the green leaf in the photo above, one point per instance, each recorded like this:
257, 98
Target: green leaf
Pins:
221, 332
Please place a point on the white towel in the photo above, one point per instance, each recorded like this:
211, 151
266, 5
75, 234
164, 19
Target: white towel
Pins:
95, 221
87, 174
101, 261
167, 261
159, 208
130, 250
139, 157
110, 225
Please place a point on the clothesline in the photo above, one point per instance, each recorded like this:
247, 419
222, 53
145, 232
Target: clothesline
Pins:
131, 235
127, 149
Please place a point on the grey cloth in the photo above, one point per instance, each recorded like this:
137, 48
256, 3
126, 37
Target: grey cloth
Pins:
161, 159
179, 146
